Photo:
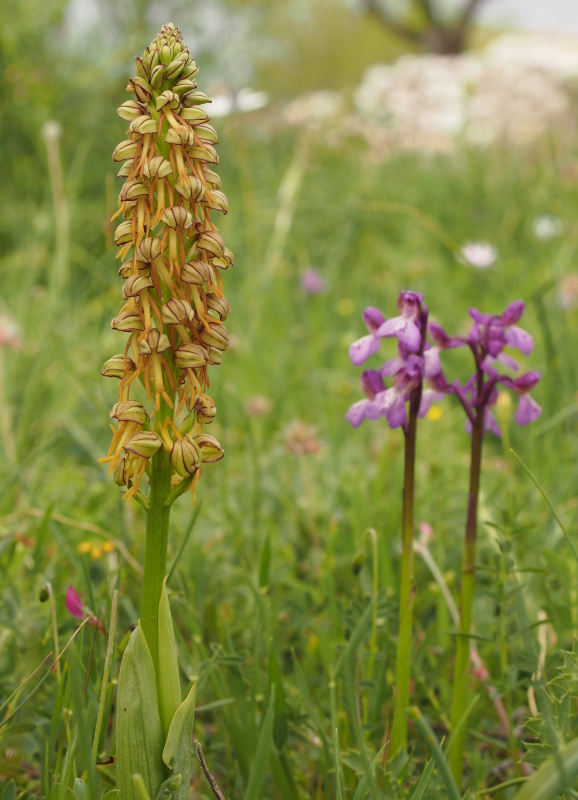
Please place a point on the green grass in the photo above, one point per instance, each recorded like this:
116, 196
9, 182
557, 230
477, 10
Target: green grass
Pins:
274, 592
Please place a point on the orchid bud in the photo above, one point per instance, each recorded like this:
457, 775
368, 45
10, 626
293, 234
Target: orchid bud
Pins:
126, 149
205, 409
216, 337
155, 342
190, 356
220, 305
142, 89
157, 167
129, 110
144, 444
212, 242
129, 411
149, 250
186, 456
135, 284
210, 448
127, 321
176, 312
197, 273
118, 366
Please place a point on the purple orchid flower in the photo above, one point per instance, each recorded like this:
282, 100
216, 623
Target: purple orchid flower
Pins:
490, 334
415, 362
406, 328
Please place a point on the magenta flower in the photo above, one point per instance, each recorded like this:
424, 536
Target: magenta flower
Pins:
489, 336
74, 604
76, 607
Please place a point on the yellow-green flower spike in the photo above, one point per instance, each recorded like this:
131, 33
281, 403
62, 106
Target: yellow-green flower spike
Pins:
172, 256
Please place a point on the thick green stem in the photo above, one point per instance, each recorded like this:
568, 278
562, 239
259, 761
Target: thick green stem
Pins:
155, 562
406, 595
461, 672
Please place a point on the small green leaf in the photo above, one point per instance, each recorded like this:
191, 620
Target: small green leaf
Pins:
555, 774
168, 681
79, 789
177, 749
139, 738
112, 795
169, 787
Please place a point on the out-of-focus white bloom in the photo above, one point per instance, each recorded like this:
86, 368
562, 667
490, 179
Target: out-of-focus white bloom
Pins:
242, 101
51, 130
480, 255
314, 109
546, 227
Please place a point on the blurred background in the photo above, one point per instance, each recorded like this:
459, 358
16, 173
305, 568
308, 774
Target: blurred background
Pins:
365, 146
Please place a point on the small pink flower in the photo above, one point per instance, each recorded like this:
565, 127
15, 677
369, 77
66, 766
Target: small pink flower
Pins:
9, 333
76, 607
74, 604
312, 282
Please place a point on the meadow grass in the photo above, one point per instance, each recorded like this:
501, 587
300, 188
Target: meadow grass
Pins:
285, 582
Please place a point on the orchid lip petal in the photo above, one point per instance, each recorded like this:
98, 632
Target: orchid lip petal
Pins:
520, 339
363, 348
357, 413
528, 410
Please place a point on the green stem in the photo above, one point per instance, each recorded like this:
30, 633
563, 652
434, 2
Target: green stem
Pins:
406, 593
461, 672
155, 561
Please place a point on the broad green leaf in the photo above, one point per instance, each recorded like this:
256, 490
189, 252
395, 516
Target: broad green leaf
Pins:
139, 738
168, 681
177, 749
264, 742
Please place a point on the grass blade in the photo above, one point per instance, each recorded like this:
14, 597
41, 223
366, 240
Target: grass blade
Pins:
437, 753
548, 502
264, 742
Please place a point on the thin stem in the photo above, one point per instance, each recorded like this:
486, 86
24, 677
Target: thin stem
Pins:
406, 593
105, 676
461, 672
155, 561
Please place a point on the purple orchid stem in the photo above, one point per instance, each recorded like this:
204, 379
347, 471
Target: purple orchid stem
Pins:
407, 589
461, 669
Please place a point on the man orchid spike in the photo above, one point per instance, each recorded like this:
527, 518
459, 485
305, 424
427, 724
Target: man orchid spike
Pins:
172, 258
